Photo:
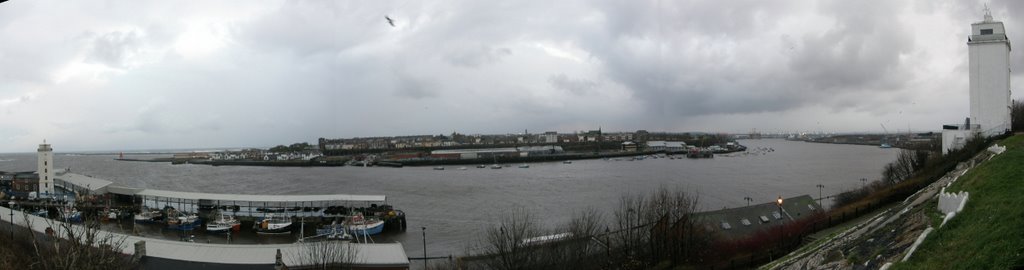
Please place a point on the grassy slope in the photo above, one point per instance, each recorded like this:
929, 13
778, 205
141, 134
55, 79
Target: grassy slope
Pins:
989, 233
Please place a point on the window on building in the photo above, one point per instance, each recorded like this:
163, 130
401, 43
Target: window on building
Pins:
986, 31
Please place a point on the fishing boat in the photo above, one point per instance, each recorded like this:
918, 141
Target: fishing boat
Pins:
72, 215
567, 162
481, 166
361, 226
273, 224
109, 214
225, 223
495, 166
439, 168
334, 231
885, 145
462, 168
524, 166
184, 222
149, 216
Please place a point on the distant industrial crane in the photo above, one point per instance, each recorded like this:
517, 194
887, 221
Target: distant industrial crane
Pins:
885, 138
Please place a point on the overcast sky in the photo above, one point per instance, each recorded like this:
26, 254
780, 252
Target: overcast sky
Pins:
109, 75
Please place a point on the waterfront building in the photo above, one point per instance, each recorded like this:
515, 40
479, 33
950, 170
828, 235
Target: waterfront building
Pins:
629, 146
669, 146
45, 170
24, 183
525, 151
989, 64
6, 182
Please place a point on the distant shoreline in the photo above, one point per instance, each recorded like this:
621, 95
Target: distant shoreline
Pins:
417, 163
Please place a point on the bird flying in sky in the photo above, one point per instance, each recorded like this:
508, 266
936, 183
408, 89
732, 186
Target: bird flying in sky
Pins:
390, 21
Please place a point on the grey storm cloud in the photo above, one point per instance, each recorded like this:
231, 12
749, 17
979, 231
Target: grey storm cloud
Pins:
475, 57
575, 86
114, 48
150, 74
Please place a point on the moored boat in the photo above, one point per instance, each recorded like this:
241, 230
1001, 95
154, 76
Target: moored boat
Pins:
273, 224
72, 215
224, 223
361, 226
149, 216
110, 214
182, 221
334, 231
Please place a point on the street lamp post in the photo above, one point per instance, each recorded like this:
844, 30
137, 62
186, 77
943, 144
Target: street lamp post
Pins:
779, 203
748, 199
424, 247
11, 205
820, 186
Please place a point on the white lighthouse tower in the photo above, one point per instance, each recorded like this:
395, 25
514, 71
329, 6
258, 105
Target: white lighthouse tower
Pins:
45, 170
989, 61
990, 76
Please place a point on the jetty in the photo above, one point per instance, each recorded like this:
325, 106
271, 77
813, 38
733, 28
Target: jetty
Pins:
246, 207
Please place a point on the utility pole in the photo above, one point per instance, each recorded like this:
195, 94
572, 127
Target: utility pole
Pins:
424, 247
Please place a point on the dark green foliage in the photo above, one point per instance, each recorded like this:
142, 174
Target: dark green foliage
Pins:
1017, 116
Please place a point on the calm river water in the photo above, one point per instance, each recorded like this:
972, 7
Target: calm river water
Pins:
457, 205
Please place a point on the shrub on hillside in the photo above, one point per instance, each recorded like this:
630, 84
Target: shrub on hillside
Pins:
1017, 116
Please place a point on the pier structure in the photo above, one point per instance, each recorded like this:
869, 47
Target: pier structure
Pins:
246, 205
240, 205
160, 253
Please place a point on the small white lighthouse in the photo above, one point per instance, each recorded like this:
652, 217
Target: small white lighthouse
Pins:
989, 61
990, 76
45, 170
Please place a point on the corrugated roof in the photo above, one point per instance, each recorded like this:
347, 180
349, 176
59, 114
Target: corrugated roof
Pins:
760, 216
92, 183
